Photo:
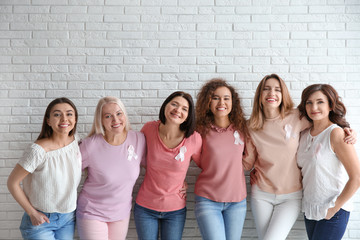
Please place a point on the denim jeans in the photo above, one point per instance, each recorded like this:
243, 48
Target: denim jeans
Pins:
332, 229
220, 220
148, 222
61, 226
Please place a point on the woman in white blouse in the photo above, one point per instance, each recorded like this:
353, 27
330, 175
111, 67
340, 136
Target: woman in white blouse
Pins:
330, 167
50, 171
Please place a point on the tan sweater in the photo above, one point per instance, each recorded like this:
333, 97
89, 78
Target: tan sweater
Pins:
274, 162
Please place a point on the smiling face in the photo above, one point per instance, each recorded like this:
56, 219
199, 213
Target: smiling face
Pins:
62, 118
113, 119
317, 106
271, 94
221, 102
177, 110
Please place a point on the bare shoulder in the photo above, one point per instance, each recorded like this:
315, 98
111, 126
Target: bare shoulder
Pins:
337, 135
45, 143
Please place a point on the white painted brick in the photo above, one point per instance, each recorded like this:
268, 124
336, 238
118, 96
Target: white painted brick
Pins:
140, 27
15, 34
307, 18
308, 35
69, 76
15, 68
30, 59
48, 51
140, 43
48, 85
178, 43
180, 77
123, 68
144, 77
66, 43
289, 26
86, 69
122, 85
28, 43
85, 85
13, 51
67, 60
88, 35
252, 60
161, 68
271, 52
27, 26
197, 68
289, 10
31, 9
85, 18
32, 76
160, 52
344, 35
214, 27
68, 9
326, 9
271, 35
343, 18
49, 68
215, 60
85, 51
233, 51
289, 60
326, 26
252, 43
326, 60
217, 10
47, 17
327, 43
160, 85
106, 77
308, 52
66, 26
178, 60
104, 9
308, 68
142, 60
104, 60
251, 26
123, 51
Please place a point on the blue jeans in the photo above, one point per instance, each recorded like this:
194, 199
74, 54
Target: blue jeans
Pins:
61, 226
332, 229
220, 220
148, 222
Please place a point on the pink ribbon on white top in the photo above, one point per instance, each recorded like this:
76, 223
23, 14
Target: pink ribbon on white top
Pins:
131, 152
237, 138
181, 155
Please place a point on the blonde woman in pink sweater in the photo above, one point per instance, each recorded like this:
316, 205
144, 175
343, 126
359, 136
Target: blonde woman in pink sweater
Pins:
275, 128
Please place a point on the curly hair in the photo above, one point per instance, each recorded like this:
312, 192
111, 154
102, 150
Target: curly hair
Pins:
204, 116
338, 110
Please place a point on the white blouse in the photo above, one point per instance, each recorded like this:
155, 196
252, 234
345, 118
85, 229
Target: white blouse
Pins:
55, 176
324, 176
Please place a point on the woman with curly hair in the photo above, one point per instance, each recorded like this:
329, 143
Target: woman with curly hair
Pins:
220, 200
330, 167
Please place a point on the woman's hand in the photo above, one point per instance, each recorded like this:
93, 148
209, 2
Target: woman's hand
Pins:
38, 218
351, 135
330, 213
183, 189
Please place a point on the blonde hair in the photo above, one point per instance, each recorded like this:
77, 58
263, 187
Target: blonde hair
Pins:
257, 118
97, 127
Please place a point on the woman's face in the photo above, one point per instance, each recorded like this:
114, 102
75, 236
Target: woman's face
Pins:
271, 94
177, 110
317, 106
62, 118
221, 102
113, 118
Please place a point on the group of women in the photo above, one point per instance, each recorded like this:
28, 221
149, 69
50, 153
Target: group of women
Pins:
297, 157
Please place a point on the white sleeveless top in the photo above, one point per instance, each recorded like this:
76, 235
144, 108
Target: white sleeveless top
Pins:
324, 176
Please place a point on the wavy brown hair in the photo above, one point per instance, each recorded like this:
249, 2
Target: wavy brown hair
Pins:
338, 110
204, 116
257, 118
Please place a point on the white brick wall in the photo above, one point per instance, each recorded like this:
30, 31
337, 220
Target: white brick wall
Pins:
142, 50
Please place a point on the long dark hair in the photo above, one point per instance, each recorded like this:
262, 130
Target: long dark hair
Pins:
189, 125
338, 110
46, 130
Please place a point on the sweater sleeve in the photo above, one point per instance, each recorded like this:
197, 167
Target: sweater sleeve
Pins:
249, 155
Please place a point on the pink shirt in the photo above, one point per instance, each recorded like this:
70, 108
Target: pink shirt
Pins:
112, 171
222, 177
275, 168
165, 170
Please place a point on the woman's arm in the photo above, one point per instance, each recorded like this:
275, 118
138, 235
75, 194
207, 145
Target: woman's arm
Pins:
348, 157
249, 155
13, 184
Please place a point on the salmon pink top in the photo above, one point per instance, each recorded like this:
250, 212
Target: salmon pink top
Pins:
165, 170
222, 177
